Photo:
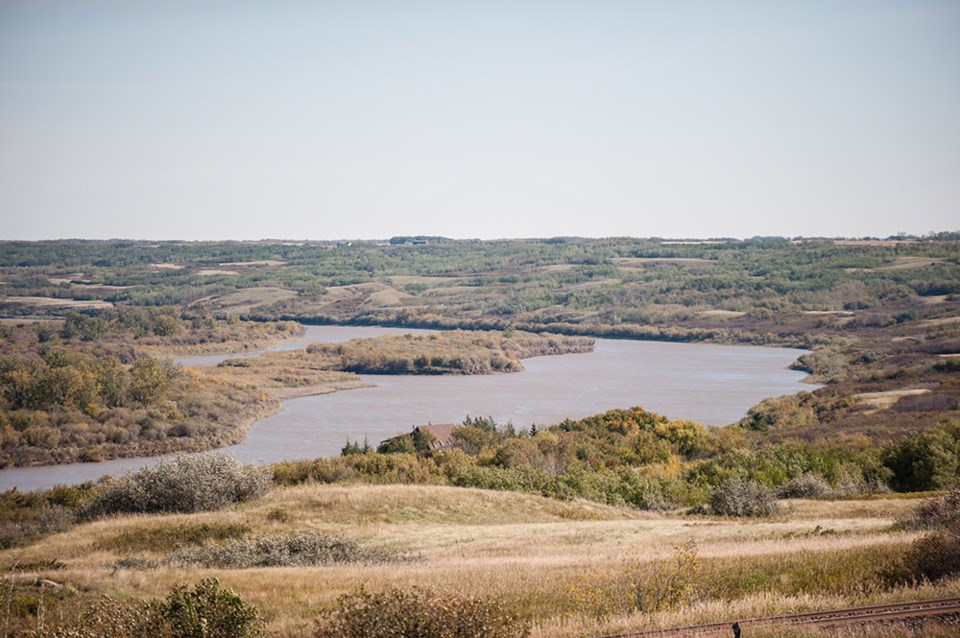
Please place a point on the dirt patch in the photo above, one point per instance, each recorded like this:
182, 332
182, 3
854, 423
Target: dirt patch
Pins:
692, 243
883, 400
904, 263
934, 300
169, 266
390, 297
68, 279
336, 293
872, 242
558, 268
249, 298
19, 321
722, 314
371, 294
51, 301
598, 282
285, 394
943, 321
643, 262
261, 262
212, 272
448, 291
57, 281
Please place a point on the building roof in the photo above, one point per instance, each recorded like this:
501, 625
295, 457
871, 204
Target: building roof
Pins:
442, 432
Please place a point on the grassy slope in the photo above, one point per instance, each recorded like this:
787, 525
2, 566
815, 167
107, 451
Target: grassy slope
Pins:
523, 548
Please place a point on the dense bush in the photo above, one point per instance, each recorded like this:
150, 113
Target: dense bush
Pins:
42, 522
934, 556
941, 511
107, 618
742, 497
283, 550
28, 516
805, 486
418, 613
369, 468
206, 611
644, 586
928, 461
185, 484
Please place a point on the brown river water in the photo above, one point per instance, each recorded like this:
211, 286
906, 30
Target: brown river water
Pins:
707, 383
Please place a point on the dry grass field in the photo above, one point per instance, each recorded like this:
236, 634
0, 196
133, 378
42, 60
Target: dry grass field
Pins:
539, 555
54, 301
243, 301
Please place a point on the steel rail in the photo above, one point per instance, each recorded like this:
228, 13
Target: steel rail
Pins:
850, 615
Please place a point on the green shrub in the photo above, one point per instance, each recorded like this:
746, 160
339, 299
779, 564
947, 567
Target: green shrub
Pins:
282, 550
186, 484
928, 461
292, 472
742, 497
418, 613
206, 611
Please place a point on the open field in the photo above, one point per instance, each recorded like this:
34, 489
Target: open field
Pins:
641, 262
243, 301
259, 262
530, 551
57, 302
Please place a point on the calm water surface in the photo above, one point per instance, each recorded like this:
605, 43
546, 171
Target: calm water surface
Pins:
710, 384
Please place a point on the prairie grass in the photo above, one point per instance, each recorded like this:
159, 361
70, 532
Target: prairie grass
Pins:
165, 538
522, 549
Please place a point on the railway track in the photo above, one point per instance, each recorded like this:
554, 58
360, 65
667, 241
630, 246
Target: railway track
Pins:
832, 618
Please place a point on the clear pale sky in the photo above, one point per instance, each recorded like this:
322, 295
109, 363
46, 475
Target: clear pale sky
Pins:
364, 119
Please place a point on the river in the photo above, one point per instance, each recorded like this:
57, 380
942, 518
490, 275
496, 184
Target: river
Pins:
707, 383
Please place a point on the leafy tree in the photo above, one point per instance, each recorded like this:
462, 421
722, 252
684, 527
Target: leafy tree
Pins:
88, 328
206, 611
398, 445
150, 379
928, 461
422, 439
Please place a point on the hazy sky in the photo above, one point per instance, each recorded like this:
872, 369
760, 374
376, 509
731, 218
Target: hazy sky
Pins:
521, 118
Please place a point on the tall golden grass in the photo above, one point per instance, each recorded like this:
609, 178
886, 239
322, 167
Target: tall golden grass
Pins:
523, 549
